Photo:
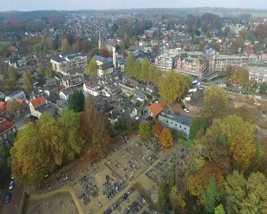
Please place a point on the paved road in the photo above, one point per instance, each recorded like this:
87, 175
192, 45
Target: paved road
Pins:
13, 206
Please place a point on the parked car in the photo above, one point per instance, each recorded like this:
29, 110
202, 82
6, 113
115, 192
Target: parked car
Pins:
11, 184
8, 197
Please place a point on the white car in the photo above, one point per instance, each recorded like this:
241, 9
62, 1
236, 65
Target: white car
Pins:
186, 110
11, 184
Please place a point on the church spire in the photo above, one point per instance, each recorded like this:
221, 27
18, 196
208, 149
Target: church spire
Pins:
99, 41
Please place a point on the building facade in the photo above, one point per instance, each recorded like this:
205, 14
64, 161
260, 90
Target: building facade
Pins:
258, 74
220, 62
6, 128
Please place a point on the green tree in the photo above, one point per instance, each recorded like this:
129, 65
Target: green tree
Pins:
219, 209
49, 73
176, 199
243, 77
76, 101
195, 126
65, 47
41, 73
255, 85
154, 74
137, 69
172, 85
124, 122
130, 64
92, 67
13, 74
122, 45
162, 196
13, 106
209, 196
172, 175
3, 50
144, 130
27, 80
38, 49
89, 102
94, 52
263, 88
145, 69
215, 104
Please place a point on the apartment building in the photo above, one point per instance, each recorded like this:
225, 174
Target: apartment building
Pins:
220, 62
69, 63
258, 74
166, 61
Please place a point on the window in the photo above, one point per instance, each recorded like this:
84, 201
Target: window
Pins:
184, 128
167, 121
171, 122
175, 124
180, 127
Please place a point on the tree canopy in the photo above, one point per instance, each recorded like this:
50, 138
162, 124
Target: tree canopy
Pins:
76, 101
144, 130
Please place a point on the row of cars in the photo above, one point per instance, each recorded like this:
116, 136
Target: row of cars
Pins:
8, 195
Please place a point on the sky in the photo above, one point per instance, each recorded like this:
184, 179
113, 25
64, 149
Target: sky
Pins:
29, 5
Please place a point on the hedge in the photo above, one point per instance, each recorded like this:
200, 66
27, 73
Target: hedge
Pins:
183, 141
64, 169
23, 202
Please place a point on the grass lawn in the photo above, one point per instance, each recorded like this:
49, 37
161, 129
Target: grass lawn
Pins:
4, 42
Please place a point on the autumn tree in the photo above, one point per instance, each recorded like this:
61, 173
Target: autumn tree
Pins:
94, 132
234, 47
145, 69
49, 73
162, 196
130, 64
261, 31
219, 209
176, 199
243, 77
157, 128
76, 101
92, 67
13, 106
104, 52
195, 126
27, 80
144, 130
13, 74
173, 85
65, 46
215, 104
136, 69
154, 74
166, 138
209, 196
89, 102
122, 45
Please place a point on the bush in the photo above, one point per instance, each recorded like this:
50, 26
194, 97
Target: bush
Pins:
183, 141
95, 194
23, 202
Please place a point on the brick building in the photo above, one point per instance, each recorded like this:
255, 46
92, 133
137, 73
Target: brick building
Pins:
6, 128
220, 62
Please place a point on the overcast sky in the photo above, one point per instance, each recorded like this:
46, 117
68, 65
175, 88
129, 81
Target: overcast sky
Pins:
28, 5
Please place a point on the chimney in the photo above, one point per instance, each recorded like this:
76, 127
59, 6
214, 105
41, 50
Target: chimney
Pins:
114, 56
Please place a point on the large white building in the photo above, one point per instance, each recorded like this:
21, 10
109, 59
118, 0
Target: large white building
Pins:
69, 63
258, 74
166, 61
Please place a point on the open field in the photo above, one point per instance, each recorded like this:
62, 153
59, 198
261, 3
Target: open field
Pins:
127, 179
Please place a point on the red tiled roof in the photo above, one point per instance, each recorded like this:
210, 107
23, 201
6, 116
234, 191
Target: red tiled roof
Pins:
89, 82
3, 106
5, 124
60, 87
38, 101
20, 101
155, 108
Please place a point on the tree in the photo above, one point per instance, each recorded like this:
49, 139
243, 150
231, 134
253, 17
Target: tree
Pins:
144, 130
172, 175
49, 73
104, 52
4, 152
3, 50
122, 45
162, 196
263, 88
89, 102
145, 69
76, 101
157, 128
94, 52
243, 77
13, 74
215, 104
172, 85
261, 31
92, 67
85, 46
13, 106
137, 69
154, 74
130, 64
27, 80
219, 209
234, 47
209, 196
176, 199
41, 73
65, 47
155, 49
195, 126
255, 85
124, 122
166, 138
239, 135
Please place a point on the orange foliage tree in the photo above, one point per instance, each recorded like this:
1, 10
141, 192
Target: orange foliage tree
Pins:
198, 181
157, 128
94, 131
166, 138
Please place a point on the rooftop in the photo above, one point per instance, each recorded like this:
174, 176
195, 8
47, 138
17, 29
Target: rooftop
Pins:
38, 101
5, 124
155, 108
178, 118
259, 70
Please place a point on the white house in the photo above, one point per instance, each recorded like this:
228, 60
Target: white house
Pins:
16, 94
93, 89
65, 93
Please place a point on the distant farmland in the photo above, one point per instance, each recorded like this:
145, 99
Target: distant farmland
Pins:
254, 14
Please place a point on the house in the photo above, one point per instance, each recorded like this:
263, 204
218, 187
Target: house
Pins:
65, 93
16, 94
3, 107
2, 96
39, 105
151, 89
93, 89
139, 96
12, 63
131, 109
22, 62
60, 106
21, 109
76, 79
154, 110
126, 89
50, 81
175, 122
60, 87
6, 128
105, 65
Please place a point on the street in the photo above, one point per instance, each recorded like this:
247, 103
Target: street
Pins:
13, 206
